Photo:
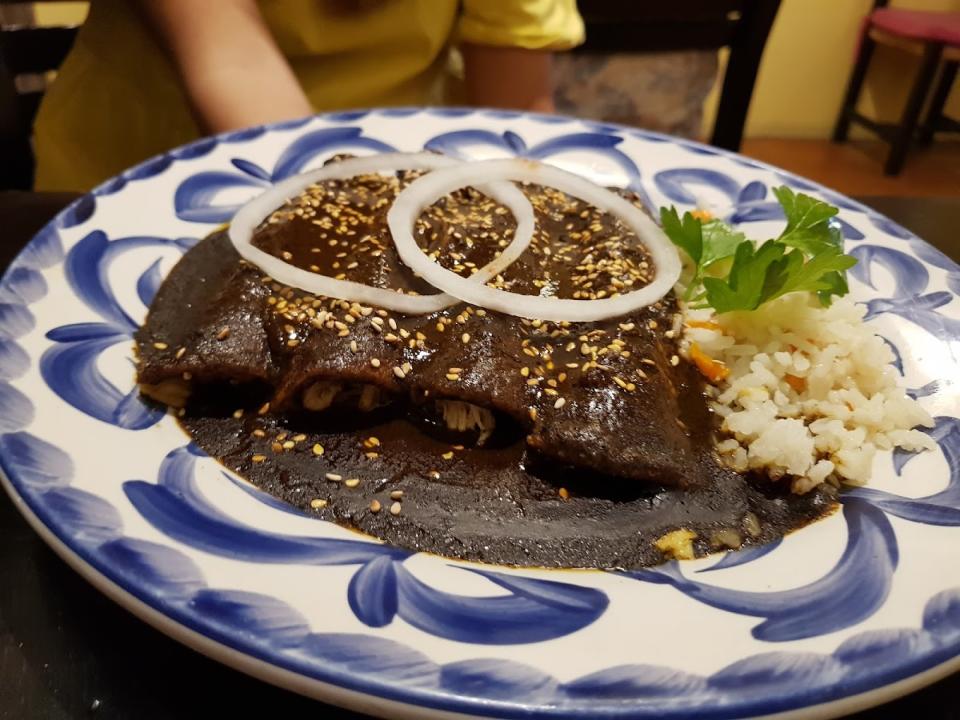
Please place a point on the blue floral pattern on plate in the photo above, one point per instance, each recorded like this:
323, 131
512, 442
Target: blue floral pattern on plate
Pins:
423, 631
70, 366
382, 588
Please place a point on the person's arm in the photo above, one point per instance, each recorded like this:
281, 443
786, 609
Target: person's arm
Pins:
232, 71
508, 77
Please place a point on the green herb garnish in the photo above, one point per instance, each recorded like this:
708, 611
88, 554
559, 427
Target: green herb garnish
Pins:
732, 272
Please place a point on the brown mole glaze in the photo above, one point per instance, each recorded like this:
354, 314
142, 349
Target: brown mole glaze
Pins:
497, 504
595, 395
607, 411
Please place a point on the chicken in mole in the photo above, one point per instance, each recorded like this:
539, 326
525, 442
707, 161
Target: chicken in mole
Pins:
464, 432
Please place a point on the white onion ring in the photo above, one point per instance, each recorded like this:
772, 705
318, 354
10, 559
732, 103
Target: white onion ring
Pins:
249, 217
423, 192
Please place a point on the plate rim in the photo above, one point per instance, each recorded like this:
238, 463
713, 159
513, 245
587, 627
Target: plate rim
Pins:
443, 704
357, 700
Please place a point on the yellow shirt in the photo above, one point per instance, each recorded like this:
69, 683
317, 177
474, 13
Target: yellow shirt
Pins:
117, 101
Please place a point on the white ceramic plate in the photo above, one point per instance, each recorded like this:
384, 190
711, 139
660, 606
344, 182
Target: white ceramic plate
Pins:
849, 612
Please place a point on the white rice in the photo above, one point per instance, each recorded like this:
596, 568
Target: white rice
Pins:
844, 404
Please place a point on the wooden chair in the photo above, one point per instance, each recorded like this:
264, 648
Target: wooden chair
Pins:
935, 37
25, 52
635, 26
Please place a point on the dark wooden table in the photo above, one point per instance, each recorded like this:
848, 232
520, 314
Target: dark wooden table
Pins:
66, 651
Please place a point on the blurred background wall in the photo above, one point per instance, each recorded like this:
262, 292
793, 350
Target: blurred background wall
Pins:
806, 65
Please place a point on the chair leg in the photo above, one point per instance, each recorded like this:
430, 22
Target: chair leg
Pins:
746, 50
938, 101
911, 113
854, 86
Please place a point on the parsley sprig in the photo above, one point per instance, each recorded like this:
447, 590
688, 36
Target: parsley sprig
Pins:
731, 272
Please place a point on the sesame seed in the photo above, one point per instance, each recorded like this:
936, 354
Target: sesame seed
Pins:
264, 409
318, 449
259, 433
223, 334
160, 345
299, 437
465, 338
560, 403
372, 455
525, 371
289, 445
258, 458
396, 494
351, 482
180, 353
375, 506
453, 377
395, 508
563, 493
318, 503
399, 372
237, 414
674, 360
375, 362
333, 477
533, 413
433, 475
447, 455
